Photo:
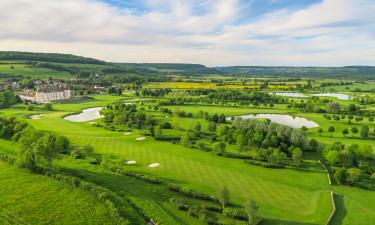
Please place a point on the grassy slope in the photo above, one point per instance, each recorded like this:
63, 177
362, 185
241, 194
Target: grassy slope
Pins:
36, 73
38, 199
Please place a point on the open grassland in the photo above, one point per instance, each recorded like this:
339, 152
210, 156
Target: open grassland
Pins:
36, 199
35, 73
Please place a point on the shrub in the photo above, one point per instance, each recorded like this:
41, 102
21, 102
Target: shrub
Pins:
354, 175
234, 214
340, 176
143, 177
372, 177
190, 193
179, 204
265, 164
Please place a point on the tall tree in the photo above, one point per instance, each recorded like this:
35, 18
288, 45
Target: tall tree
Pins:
224, 197
158, 132
251, 209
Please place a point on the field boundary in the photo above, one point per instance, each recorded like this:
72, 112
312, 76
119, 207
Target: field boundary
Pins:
326, 170
331, 193
334, 208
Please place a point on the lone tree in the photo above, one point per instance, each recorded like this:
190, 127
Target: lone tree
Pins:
212, 127
224, 197
320, 131
158, 132
365, 131
251, 209
345, 132
331, 129
354, 130
297, 155
46, 147
198, 129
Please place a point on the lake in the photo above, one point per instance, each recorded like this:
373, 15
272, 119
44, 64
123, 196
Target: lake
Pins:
335, 95
289, 94
86, 115
295, 122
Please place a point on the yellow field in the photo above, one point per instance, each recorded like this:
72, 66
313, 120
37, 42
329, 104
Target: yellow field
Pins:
206, 85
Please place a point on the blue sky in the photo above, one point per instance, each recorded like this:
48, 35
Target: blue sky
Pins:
210, 32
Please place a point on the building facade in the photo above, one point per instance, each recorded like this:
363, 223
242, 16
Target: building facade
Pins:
46, 94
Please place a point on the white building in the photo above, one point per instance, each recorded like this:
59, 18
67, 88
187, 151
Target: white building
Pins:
46, 94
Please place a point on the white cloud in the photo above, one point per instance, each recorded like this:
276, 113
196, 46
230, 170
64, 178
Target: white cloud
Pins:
333, 32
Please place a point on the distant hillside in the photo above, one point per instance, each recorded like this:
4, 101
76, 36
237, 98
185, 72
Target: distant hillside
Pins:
365, 71
76, 64
48, 57
179, 68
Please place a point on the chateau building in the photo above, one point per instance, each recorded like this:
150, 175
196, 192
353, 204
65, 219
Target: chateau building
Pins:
46, 94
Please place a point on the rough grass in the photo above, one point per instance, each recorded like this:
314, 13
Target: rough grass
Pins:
37, 199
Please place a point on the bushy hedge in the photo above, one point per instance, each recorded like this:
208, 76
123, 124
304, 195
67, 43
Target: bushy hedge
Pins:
234, 155
7, 159
264, 164
179, 204
151, 211
193, 194
143, 177
235, 214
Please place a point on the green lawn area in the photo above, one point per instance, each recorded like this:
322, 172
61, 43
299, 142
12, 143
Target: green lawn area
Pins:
35, 73
37, 199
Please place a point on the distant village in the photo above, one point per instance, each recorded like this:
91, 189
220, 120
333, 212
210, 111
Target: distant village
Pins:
45, 91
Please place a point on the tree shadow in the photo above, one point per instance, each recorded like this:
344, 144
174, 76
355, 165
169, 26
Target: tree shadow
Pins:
341, 210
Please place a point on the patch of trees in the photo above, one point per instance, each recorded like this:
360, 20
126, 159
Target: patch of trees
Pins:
36, 147
48, 57
8, 98
353, 164
155, 92
127, 115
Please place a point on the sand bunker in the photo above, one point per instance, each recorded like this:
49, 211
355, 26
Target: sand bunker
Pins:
153, 165
140, 138
130, 162
127, 133
36, 117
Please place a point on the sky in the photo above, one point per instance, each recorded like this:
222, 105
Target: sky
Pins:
209, 32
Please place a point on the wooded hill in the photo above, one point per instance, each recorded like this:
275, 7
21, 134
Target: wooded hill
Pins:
186, 69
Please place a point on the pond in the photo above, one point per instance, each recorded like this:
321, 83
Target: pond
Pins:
295, 122
289, 94
335, 95
86, 115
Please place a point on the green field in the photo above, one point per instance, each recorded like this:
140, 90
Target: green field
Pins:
24, 70
34, 199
